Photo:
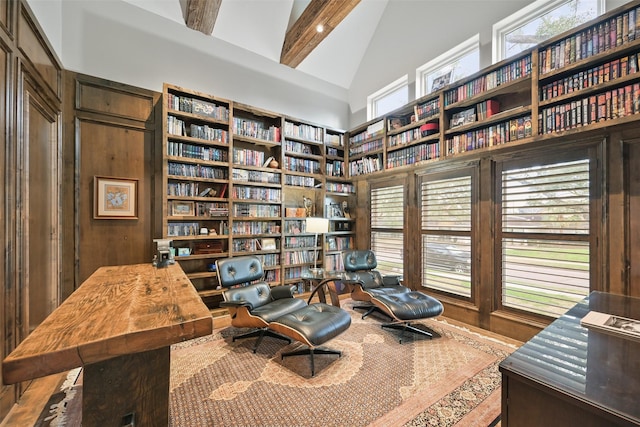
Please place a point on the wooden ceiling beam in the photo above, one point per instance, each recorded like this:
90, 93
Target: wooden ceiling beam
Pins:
303, 37
202, 15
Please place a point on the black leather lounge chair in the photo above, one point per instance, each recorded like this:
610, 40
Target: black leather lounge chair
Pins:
387, 294
275, 312
255, 305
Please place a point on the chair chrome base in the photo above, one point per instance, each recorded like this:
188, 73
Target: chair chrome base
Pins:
311, 351
261, 333
406, 326
369, 309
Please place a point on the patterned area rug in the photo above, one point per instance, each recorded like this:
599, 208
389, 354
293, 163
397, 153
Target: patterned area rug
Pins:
450, 380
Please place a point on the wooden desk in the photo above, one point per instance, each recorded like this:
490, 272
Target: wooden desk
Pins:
568, 375
119, 326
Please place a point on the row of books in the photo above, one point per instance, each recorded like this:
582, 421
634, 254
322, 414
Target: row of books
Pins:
333, 262
299, 181
253, 210
246, 245
609, 105
175, 229
497, 134
333, 139
181, 149
185, 189
338, 243
255, 227
301, 165
256, 193
366, 147
487, 108
208, 133
373, 130
255, 129
176, 126
212, 209
272, 276
606, 72
294, 273
404, 137
263, 177
247, 157
413, 154
298, 148
340, 187
296, 226
299, 257
617, 31
291, 242
334, 168
197, 171
428, 109
505, 74
303, 131
197, 106
333, 152
269, 260
365, 165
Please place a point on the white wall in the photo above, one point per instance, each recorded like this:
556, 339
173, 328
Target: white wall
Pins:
114, 40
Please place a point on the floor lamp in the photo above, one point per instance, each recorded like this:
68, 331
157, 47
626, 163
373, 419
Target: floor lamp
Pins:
317, 226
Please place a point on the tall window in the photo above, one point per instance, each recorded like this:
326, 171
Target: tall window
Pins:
387, 225
539, 21
545, 236
387, 99
446, 235
461, 61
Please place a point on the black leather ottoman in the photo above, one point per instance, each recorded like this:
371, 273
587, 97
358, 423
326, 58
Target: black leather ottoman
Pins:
406, 307
313, 325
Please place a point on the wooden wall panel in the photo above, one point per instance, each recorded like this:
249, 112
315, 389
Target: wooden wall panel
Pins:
114, 151
35, 49
7, 296
633, 174
115, 103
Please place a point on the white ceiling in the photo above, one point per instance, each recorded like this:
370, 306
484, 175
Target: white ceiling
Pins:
259, 26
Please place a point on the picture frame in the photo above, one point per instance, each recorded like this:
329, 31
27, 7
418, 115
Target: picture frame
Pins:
181, 208
441, 81
268, 244
115, 198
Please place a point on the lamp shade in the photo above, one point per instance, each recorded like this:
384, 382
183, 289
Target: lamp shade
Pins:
317, 225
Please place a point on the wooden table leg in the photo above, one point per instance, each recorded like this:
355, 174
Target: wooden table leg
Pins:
129, 390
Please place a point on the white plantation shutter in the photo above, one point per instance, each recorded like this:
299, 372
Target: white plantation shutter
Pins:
446, 235
545, 237
387, 226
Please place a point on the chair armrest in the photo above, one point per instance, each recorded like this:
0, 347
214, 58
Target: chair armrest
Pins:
391, 280
236, 304
283, 291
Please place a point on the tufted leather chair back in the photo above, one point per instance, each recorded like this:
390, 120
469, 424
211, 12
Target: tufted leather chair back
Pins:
362, 264
239, 270
257, 294
358, 260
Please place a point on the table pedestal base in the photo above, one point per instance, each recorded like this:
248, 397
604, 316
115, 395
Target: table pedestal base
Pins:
129, 390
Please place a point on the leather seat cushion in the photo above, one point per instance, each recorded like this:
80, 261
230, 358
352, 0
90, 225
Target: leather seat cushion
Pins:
317, 322
411, 305
278, 308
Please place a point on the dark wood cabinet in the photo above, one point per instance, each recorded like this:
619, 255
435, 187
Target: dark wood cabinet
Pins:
569, 375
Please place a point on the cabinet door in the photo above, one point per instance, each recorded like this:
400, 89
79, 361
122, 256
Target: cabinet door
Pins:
38, 184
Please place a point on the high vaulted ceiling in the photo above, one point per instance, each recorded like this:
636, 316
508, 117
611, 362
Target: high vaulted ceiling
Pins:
284, 30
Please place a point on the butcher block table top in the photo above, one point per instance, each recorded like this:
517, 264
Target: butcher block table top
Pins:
118, 310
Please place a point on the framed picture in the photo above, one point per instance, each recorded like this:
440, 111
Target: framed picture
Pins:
115, 198
441, 81
268, 244
182, 208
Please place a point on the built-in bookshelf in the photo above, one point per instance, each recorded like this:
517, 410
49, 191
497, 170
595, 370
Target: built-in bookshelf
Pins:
584, 79
240, 180
196, 144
